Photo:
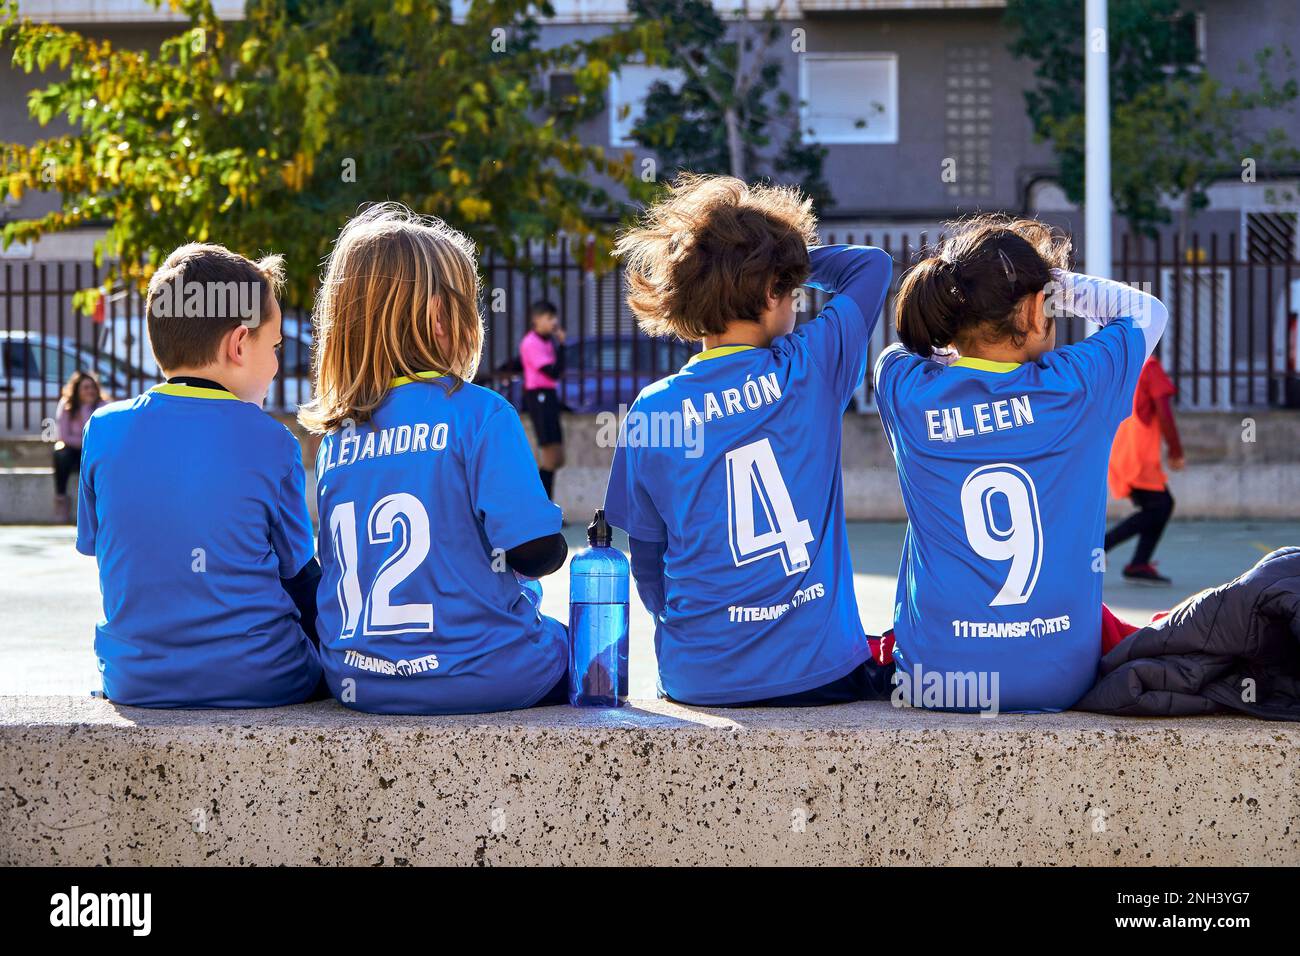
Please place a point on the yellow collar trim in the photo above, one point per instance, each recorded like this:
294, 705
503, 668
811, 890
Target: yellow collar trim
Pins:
718, 352
985, 365
418, 376
193, 391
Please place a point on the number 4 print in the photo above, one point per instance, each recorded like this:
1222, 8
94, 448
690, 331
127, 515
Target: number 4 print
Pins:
752, 473
1021, 542
395, 511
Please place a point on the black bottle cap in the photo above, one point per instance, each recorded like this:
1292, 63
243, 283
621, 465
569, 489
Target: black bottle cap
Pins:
599, 533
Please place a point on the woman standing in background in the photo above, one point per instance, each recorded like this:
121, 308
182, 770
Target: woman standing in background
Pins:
78, 401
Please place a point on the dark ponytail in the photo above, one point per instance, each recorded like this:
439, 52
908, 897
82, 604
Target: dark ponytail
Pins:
930, 304
974, 282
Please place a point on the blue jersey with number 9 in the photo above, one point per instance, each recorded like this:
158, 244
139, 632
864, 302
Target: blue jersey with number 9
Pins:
418, 611
1003, 474
734, 465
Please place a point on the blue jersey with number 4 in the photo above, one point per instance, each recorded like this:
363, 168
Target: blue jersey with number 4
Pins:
1003, 474
418, 611
734, 464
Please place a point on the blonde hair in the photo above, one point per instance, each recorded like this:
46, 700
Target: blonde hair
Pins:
390, 277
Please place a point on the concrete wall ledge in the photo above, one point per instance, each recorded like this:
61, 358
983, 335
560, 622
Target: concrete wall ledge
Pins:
88, 782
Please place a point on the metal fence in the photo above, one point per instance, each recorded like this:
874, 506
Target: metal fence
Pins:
1231, 342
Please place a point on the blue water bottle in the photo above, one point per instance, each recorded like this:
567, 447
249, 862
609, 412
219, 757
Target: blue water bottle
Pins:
598, 621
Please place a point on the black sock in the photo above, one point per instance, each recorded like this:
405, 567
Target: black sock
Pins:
548, 480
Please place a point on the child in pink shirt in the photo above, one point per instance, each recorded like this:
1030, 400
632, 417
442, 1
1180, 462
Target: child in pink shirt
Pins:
542, 355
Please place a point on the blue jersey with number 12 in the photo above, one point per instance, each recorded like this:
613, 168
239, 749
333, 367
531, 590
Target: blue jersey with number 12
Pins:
419, 612
1003, 474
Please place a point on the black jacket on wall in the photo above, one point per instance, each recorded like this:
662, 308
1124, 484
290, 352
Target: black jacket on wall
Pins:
1234, 647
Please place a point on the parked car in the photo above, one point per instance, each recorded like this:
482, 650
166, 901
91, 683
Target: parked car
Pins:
34, 368
601, 373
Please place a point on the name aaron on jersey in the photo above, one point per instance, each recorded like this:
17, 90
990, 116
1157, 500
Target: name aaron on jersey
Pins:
755, 393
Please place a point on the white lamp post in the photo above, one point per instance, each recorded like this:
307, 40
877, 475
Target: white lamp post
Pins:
1097, 254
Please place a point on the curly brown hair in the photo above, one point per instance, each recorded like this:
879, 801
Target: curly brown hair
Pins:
712, 251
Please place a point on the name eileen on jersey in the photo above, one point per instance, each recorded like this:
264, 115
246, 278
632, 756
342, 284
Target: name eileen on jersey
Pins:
400, 440
949, 424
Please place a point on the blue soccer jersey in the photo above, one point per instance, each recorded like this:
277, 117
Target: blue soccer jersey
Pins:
1003, 474
193, 504
418, 612
734, 465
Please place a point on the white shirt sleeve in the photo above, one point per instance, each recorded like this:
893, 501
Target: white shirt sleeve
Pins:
1103, 300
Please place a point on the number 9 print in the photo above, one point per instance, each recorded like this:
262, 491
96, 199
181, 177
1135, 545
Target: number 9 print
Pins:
1021, 542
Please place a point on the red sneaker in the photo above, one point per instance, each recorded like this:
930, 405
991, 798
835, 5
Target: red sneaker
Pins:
1146, 574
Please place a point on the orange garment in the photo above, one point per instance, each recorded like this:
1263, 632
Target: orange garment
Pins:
1135, 455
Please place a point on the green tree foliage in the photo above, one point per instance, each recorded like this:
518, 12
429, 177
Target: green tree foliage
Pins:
267, 133
729, 113
1174, 128
1182, 135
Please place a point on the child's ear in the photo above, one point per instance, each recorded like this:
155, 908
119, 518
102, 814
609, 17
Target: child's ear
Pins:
1040, 313
1031, 318
235, 342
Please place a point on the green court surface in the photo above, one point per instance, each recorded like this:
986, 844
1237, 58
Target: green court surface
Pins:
50, 596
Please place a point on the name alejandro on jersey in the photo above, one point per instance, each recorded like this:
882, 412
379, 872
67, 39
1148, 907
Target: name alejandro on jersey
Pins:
351, 447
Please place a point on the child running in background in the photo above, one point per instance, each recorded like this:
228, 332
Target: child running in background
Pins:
1135, 471
736, 512
430, 506
80, 399
541, 353
1001, 442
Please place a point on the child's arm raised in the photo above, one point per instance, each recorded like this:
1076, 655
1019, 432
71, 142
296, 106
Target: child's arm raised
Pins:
1108, 363
1103, 300
857, 277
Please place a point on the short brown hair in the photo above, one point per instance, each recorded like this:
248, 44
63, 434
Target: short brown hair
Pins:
180, 339
712, 251
971, 285
390, 279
